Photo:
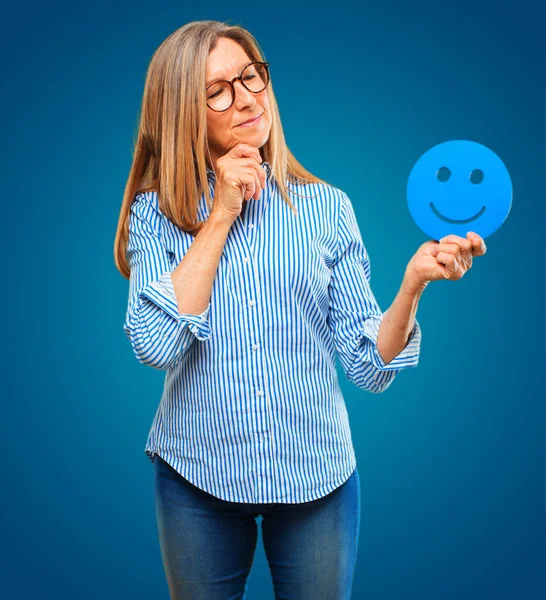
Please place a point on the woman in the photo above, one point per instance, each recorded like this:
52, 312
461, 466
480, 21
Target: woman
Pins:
248, 276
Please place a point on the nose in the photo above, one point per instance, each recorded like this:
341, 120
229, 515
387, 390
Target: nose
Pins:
243, 97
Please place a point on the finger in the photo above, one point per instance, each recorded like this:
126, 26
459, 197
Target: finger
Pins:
256, 195
465, 248
260, 173
478, 245
464, 244
241, 150
452, 267
250, 161
248, 191
453, 239
449, 248
249, 181
248, 176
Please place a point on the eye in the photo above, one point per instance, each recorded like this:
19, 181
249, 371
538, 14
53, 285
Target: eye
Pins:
216, 89
476, 176
443, 174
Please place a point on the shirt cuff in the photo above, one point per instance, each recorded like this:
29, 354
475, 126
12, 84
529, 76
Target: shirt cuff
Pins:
407, 357
162, 293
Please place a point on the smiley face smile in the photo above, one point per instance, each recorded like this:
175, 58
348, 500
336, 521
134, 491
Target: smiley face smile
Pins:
461, 221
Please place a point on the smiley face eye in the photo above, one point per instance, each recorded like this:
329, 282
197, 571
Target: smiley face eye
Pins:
476, 176
443, 174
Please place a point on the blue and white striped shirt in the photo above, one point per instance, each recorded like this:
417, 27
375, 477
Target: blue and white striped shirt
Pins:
251, 409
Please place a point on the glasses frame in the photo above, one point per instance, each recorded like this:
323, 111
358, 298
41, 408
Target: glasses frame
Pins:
240, 78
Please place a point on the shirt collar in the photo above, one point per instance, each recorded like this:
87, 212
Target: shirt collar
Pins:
265, 165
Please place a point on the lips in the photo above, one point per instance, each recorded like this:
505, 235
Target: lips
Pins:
249, 120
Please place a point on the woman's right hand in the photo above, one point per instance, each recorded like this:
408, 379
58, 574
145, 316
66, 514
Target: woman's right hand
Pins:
239, 177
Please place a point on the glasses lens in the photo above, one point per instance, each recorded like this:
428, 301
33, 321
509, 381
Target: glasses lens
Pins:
255, 78
219, 96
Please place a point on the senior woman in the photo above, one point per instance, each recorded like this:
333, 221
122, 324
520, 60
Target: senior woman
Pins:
248, 276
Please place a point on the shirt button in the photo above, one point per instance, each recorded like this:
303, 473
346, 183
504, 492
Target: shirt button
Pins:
260, 393
251, 225
251, 302
254, 346
246, 259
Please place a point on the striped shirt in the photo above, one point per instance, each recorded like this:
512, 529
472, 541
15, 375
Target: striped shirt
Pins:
251, 409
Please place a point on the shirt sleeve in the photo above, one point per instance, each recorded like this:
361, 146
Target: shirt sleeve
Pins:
159, 335
354, 315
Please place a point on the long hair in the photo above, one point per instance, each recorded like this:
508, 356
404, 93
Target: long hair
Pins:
171, 149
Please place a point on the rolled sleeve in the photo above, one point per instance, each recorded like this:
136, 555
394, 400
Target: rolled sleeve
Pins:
407, 357
159, 335
162, 293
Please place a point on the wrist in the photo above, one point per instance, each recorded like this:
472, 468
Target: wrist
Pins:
412, 285
220, 218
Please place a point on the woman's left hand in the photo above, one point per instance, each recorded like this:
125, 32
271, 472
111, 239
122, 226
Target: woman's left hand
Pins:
450, 258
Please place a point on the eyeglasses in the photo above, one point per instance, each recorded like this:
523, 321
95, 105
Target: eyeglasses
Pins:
221, 94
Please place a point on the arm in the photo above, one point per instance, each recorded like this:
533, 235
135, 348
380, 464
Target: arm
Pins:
168, 310
397, 325
355, 317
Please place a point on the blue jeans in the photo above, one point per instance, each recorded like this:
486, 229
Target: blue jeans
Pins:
207, 544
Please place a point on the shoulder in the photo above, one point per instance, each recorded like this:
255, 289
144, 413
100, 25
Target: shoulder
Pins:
148, 216
145, 211
322, 195
145, 199
335, 206
146, 204
341, 202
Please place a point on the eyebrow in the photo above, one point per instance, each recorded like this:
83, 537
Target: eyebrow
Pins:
241, 68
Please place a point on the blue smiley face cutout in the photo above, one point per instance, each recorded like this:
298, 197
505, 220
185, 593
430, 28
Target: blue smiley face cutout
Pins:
459, 186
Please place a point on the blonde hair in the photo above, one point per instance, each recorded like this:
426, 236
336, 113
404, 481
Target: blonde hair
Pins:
170, 152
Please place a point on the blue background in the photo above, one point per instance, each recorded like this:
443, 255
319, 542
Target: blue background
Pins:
451, 456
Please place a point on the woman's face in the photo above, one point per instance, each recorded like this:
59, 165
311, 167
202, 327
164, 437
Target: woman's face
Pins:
226, 61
